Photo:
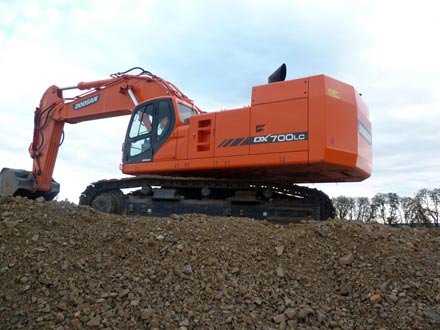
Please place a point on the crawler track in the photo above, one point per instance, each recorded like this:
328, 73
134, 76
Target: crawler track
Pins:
162, 196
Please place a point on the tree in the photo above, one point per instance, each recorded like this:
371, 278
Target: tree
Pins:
393, 205
428, 206
379, 202
434, 195
371, 212
361, 209
409, 209
343, 207
390, 208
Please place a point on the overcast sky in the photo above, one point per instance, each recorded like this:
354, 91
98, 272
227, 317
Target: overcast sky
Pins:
215, 51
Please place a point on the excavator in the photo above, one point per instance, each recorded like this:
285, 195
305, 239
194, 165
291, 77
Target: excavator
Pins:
246, 162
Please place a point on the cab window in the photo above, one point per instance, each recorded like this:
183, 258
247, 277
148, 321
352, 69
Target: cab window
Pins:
164, 115
142, 121
185, 112
139, 146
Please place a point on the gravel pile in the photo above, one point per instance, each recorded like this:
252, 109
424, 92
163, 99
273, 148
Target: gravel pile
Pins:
64, 266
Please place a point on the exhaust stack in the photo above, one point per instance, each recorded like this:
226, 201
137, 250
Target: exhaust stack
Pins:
278, 75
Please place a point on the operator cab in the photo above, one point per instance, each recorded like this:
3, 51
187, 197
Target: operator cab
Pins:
151, 125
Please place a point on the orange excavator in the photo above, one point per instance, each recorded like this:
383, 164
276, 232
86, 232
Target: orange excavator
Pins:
239, 162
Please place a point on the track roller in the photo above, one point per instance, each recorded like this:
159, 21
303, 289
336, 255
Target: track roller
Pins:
111, 201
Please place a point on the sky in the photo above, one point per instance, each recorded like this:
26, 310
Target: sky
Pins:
215, 51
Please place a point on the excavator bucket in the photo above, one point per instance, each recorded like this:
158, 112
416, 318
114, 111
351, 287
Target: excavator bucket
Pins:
14, 182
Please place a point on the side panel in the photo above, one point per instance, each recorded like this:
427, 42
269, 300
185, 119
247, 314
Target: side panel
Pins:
168, 150
280, 91
231, 130
201, 136
317, 120
334, 116
279, 127
341, 133
182, 142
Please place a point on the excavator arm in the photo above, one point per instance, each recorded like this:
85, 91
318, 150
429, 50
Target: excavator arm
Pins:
112, 97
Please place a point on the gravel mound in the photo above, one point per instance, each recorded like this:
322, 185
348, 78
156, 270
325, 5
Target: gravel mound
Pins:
63, 266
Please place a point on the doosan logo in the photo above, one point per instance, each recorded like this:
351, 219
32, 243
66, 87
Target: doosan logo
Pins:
85, 103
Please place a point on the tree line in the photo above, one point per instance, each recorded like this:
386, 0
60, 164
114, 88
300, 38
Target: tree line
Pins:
392, 209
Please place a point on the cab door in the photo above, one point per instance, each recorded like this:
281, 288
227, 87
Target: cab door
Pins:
150, 126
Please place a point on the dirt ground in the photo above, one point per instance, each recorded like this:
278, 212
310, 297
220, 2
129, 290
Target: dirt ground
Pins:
63, 266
